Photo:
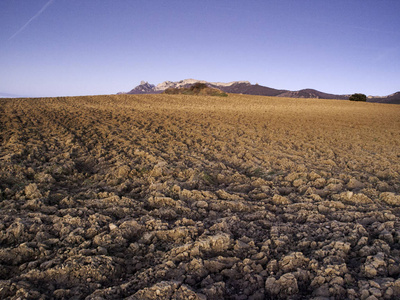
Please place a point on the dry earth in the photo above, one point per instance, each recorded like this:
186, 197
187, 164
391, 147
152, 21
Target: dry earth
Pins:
185, 197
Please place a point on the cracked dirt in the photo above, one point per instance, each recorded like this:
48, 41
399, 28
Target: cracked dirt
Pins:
185, 197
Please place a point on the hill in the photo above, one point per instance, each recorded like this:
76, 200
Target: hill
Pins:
311, 93
198, 88
246, 88
391, 99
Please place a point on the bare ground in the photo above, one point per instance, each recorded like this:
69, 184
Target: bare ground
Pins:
185, 197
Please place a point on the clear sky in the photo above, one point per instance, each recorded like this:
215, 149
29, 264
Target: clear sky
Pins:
89, 47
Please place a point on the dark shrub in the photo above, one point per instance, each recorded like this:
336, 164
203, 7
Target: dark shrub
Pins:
358, 97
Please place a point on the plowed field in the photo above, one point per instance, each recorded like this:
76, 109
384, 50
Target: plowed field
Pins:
195, 197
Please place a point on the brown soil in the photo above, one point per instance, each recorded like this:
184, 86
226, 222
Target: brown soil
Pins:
181, 197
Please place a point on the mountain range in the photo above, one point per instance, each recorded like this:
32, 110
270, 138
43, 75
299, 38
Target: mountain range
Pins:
245, 87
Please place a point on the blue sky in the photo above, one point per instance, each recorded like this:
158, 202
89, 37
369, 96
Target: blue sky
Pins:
89, 47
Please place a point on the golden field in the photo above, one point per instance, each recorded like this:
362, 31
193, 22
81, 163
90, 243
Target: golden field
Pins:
196, 197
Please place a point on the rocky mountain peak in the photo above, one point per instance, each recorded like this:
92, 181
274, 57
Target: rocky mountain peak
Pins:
143, 88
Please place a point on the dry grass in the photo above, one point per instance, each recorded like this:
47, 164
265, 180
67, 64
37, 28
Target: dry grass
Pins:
243, 195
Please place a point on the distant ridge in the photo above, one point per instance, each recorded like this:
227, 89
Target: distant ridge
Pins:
245, 87
392, 99
311, 93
